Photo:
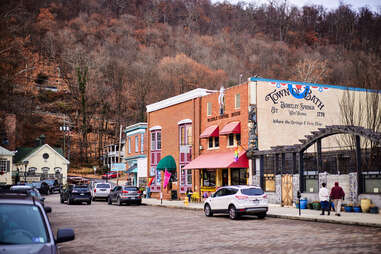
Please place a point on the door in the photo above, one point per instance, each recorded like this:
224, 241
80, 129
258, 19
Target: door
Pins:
287, 190
225, 180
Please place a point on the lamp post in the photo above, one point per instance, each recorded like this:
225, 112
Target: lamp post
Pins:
26, 165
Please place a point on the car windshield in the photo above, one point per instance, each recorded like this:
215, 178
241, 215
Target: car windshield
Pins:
252, 191
81, 188
21, 224
103, 185
130, 188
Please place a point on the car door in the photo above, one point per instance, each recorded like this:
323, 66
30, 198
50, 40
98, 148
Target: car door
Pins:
216, 200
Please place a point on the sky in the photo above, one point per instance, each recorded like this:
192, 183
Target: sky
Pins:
374, 5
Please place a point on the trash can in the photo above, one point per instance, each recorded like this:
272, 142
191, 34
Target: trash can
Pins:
303, 204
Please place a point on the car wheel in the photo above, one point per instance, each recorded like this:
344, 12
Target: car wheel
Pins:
109, 201
208, 211
70, 202
139, 202
118, 202
233, 212
89, 202
261, 215
61, 199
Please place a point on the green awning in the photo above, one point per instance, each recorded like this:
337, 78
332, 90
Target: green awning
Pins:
168, 162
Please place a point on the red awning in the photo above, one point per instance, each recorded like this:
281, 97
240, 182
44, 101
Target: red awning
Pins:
211, 131
233, 127
219, 160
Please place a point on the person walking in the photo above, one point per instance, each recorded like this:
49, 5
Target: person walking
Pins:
337, 194
324, 199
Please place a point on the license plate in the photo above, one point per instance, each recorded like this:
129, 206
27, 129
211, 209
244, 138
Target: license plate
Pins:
103, 189
82, 194
256, 202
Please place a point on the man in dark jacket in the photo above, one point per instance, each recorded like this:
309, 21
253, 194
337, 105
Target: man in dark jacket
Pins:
337, 194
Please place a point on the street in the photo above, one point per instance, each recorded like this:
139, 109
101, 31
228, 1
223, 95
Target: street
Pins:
101, 228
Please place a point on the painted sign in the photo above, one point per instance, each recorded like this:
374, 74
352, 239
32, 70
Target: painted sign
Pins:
118, 167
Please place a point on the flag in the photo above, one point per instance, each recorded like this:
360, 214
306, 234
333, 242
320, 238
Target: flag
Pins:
150, 181
167, 176
236, 152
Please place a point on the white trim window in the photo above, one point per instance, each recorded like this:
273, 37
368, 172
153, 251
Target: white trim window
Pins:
4, 165
237, 100
213, 142
234, 139
142, 143
209, 109
129, 145
136, 143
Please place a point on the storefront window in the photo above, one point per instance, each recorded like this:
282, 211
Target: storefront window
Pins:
189, 177
238, 176
209, 178
311, 183
372, 183
231, 139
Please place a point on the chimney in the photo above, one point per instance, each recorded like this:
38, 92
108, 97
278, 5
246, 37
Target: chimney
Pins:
42, 139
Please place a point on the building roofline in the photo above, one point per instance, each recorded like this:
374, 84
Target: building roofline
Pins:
135, 126
199, 92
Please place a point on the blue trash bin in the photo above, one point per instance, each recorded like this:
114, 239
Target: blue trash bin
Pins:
303, 204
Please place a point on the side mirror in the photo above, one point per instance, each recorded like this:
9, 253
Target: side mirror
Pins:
47, 209
42, 199
65, 235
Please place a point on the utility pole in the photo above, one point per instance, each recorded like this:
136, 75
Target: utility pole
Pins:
119, 148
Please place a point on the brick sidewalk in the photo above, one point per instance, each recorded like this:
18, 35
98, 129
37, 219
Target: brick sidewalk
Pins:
360, 219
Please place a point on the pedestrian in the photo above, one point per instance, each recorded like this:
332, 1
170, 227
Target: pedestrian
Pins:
189, 194
324, 199
337, 194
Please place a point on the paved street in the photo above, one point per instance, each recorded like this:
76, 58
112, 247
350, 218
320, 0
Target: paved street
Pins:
101, 228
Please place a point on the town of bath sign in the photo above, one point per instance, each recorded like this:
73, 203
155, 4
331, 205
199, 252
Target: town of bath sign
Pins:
289, 110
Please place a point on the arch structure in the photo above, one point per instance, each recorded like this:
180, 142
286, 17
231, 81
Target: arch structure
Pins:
315, 137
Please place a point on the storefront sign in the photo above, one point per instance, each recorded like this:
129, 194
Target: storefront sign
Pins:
215, 118
33, 179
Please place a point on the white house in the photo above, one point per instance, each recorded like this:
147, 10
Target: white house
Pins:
5, 166
42, 162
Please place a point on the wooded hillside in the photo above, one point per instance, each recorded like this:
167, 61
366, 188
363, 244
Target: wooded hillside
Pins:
100, 62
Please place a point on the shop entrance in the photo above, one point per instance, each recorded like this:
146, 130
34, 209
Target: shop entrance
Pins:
238, 176
287, 190
225, 178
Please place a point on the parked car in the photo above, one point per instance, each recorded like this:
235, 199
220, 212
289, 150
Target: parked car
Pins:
125, 194
42, 187
29, 190
101, 190
25, 228
76, 194
109, 175
53, 185
236, 201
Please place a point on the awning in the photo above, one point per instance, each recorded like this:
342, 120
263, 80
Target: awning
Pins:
233, 127
168, 162
211, 131
133, 169
219, 160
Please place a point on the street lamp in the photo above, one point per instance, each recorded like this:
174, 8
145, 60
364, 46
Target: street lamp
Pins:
26, 165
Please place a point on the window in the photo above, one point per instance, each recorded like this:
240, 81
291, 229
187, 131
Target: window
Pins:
237, 100
209, 178
189, 135
311, 183
158, 140
153, 140
372, 182
238, 176
182, 135
231, 140
214, 142
209, 109
185, 132
136, 143
4, 165
32, 171
186, 177
142, 143
238, 138
129, 145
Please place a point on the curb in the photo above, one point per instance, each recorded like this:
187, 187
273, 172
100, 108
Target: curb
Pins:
289, 217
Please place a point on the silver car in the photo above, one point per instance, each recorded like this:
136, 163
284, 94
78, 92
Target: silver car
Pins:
125, 194
101, 190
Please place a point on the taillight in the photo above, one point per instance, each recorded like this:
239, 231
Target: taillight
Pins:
124, 191
95, 190
139, 192
264, 196
241, 197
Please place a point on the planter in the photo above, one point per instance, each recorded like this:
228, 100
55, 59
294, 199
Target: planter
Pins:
357, 209
348, 209
316, 206
373, 209
365, 205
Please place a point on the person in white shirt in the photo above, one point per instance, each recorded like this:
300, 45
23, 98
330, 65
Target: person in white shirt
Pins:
324, 199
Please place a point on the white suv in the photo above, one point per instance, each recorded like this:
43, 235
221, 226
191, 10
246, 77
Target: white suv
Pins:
101, 190
237, 200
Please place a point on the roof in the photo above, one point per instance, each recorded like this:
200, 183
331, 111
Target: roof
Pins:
24, 152
199, 92
4, 151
